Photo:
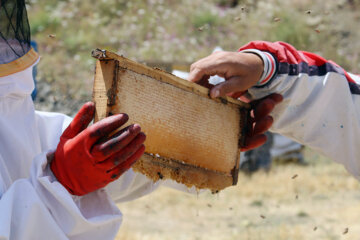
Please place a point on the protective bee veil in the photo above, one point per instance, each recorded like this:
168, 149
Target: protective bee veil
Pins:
14, 30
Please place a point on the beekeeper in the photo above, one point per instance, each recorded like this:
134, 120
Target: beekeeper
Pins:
51, 189
321, 105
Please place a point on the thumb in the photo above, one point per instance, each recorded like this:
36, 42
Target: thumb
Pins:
233, 84
81, 120
236, 94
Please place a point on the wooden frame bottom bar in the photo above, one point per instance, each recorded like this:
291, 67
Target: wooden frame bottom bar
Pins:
157, 167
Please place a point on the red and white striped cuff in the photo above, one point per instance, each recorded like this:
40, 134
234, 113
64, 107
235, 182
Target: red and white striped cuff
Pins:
269, 65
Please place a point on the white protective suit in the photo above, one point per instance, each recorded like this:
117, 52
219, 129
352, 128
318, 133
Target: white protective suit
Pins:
321, 106
33, 204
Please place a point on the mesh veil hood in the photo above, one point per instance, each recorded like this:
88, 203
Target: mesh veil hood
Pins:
14, 30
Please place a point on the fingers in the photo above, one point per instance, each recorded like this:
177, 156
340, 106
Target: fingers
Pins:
104, 127
204, 72
265, 106
254, 142
80, 121
205, 82
277, 98
115, 143
263, 109
197, 73
208, 66
261, 121
126, 165
233, 84
236, 94
122, 155
263, 125
130, 149
240, 70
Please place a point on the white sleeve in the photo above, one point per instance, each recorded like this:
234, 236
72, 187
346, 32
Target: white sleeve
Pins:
321, 105
132, 185
41, 208
33, 204
51, 126
129, 186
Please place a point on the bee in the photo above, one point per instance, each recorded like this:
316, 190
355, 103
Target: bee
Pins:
308, 12
315, 228
51, 35
346, 230
295, 176
277, 19
262, 216
160, 175
209, 205
200, 29
237, 18
317, 30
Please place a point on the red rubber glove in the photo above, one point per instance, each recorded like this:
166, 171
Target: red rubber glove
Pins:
260, 120
88, 158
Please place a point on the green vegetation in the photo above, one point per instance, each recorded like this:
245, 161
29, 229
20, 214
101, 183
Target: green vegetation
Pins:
178, 31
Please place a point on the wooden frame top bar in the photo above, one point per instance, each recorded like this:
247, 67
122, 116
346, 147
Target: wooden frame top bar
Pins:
163, 76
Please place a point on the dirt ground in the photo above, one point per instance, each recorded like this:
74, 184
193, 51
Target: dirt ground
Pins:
317, 201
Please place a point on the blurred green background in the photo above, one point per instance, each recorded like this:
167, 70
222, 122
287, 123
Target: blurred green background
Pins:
176, 31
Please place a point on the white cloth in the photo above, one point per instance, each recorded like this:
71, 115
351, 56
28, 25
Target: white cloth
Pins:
320, 112
282, 145
33, 204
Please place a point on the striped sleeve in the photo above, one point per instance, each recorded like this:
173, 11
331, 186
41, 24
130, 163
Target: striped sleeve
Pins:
269, 65
293, 62
321, 105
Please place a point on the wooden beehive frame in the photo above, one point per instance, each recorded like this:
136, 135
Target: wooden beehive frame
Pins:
108, 67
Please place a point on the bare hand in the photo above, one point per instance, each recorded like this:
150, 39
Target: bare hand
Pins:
240, 70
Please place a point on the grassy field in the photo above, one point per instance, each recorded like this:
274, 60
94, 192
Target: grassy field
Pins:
291, 202
176, 31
